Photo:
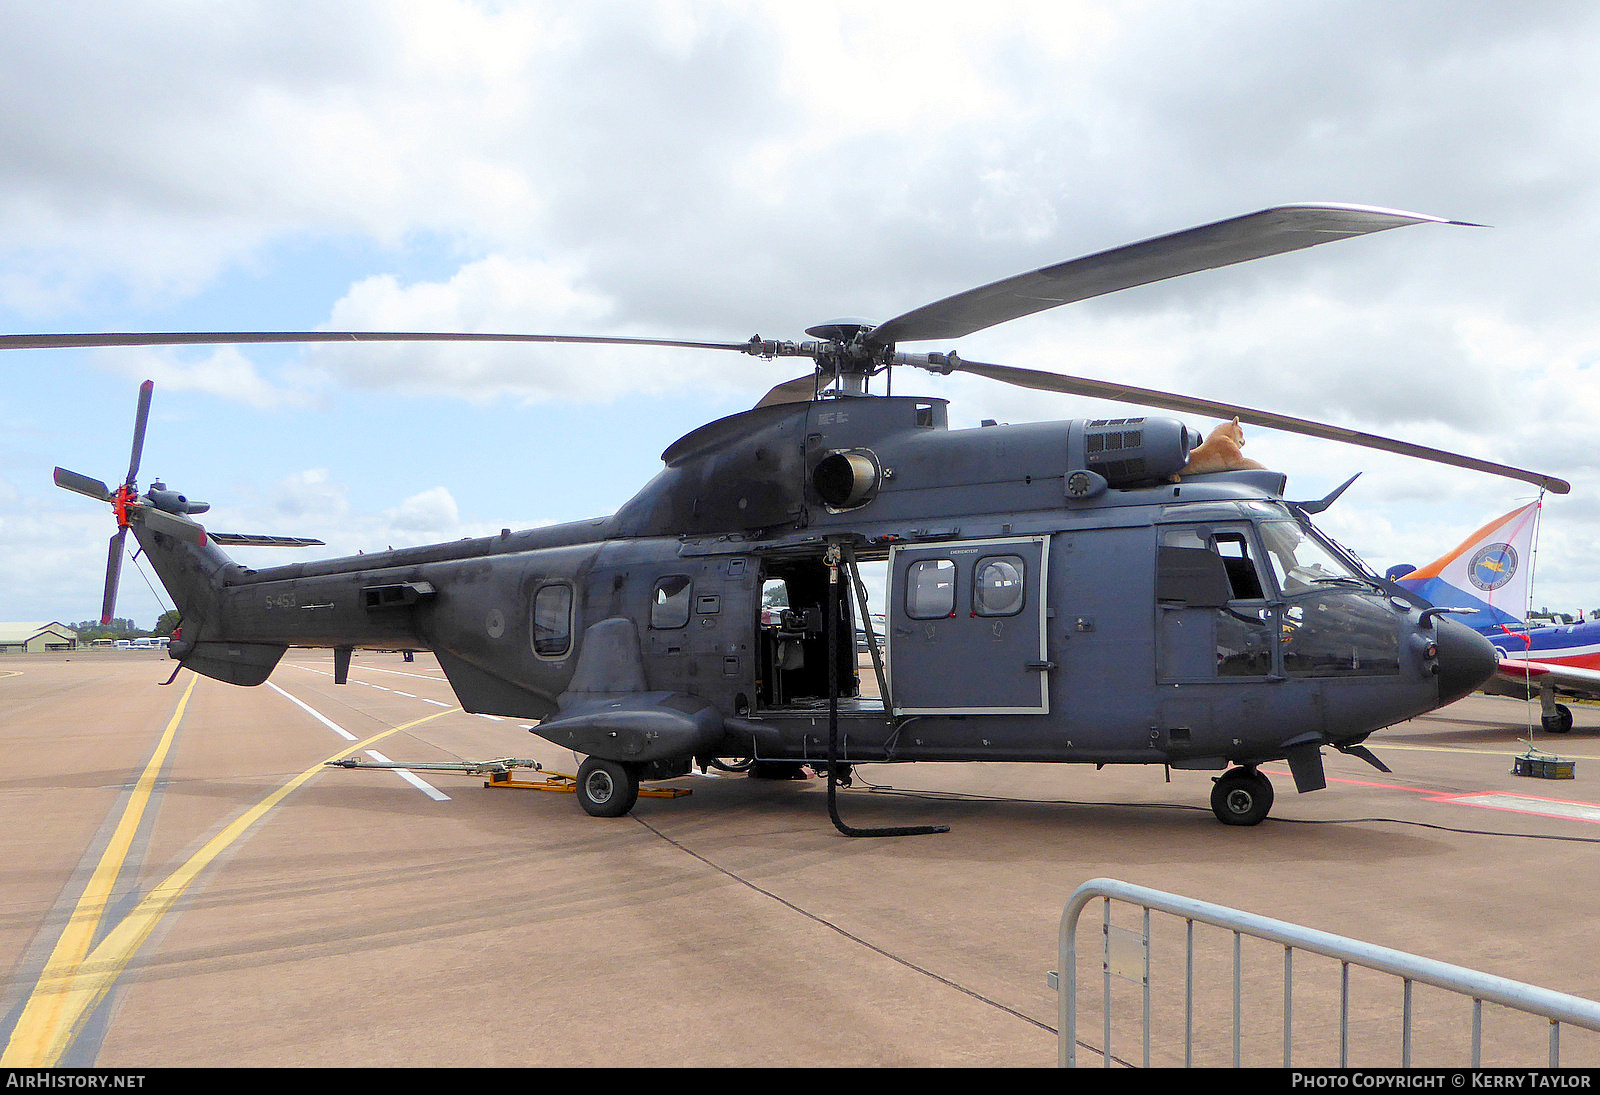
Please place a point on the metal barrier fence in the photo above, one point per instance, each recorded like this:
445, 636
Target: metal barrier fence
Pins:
1556, 1007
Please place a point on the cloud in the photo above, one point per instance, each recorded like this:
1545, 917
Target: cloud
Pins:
222, 371
432, 513
499, 294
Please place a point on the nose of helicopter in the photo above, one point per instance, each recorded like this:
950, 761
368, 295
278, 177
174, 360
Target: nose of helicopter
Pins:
1466, 659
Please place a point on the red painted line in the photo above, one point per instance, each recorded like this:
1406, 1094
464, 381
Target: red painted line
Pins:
1467, 799
1363, 783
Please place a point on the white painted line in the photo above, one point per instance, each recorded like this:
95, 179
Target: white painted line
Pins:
323, 719
440, 678
398, 673
381, 688
411, 778
431, 792
1525, 804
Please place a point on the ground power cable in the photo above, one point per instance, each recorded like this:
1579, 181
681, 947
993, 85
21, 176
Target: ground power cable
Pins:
961, 796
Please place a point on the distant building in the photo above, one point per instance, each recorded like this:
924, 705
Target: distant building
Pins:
34, 638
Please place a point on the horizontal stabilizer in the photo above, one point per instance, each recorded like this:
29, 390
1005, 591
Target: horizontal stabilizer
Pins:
242, 539
246, 664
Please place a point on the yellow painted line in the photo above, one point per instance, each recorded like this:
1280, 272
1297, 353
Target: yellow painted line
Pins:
11, 673
1381, 746
81, 990
43, 1010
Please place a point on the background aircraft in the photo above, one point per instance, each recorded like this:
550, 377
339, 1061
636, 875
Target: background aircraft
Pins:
1490, 572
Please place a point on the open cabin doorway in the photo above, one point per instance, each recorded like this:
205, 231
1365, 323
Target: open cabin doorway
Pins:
793, 638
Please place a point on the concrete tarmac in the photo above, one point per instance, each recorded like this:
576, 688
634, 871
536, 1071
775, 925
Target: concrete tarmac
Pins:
184, 883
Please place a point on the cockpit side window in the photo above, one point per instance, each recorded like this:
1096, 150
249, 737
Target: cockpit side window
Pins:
1215, 569
1189, 555
1244, 577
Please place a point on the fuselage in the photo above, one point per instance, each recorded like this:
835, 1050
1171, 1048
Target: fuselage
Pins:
1049, 594
1576, 645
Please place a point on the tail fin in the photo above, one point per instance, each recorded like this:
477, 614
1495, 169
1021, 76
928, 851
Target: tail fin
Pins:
1490, 571
186, 559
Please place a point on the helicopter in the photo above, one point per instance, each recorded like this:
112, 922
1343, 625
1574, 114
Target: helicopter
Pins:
1069, 592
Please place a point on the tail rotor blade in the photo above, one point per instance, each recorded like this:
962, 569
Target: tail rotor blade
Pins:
139, 421
83, 484
113, 573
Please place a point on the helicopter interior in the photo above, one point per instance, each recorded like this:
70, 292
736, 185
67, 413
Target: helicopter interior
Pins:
793, 636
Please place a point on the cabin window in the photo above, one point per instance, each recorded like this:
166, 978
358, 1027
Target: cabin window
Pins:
931, 589
552, 620
673, 598
998, 586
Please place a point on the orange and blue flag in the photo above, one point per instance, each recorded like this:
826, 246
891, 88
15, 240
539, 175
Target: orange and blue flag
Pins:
1489, 571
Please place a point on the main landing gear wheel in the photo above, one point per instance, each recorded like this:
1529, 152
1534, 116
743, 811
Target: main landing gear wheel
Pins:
1559, 721
1241, 796
607, 788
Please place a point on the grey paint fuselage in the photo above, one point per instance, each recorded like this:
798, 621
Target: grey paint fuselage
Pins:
736, 502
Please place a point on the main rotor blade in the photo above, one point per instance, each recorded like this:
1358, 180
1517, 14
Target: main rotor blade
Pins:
1239, 239
83, 484
222, 338
1146, 397
140, 419
108, 604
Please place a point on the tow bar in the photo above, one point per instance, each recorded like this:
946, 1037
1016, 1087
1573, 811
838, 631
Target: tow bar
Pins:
500, 774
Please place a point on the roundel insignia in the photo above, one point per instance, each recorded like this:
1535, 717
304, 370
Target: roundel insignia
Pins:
1493, 566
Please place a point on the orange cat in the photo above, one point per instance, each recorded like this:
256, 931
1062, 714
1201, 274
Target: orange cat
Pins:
1220, 451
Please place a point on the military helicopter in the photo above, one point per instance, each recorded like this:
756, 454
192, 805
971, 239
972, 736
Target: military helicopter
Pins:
1058, 591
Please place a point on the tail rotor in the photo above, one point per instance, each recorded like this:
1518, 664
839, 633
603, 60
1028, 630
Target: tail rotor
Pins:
125, 502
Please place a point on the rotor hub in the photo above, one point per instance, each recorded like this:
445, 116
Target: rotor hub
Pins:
841, 330
844, 350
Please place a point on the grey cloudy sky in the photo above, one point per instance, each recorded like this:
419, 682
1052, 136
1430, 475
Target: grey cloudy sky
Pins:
711, 170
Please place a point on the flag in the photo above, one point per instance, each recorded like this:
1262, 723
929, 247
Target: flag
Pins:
1490, 571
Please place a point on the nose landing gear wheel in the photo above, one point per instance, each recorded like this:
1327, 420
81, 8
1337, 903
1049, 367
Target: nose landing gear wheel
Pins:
606, 788
1241, 796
